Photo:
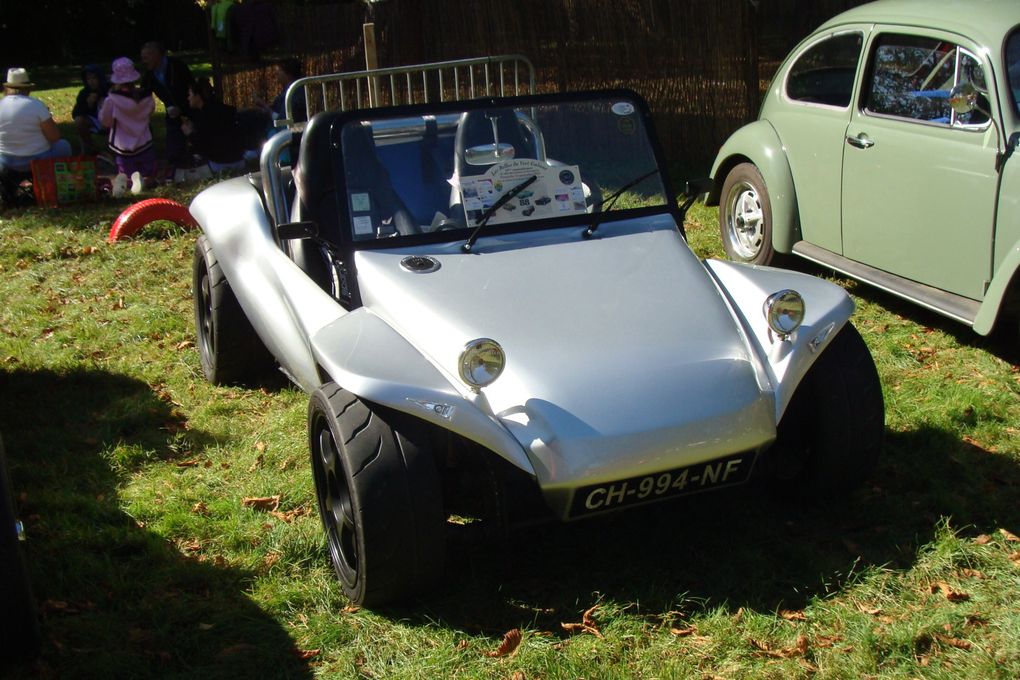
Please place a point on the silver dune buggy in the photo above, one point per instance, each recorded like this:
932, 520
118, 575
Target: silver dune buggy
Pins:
491, 301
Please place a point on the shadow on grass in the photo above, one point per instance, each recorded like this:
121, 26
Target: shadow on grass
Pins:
733, 549
117, 600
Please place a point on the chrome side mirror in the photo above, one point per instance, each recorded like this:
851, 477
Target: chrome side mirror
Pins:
487, 154
964, 98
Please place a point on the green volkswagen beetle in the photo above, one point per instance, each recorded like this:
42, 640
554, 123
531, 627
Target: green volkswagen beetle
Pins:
885, 150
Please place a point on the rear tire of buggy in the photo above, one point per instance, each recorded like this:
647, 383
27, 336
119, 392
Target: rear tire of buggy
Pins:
379, 497
230, 350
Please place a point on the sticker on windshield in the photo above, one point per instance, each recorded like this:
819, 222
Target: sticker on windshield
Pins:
360, 203
555, 192
623, 108
363, 226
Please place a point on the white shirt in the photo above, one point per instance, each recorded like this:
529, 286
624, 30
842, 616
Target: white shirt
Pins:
20, 118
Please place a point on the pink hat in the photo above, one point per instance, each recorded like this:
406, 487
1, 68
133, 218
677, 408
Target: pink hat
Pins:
124, 71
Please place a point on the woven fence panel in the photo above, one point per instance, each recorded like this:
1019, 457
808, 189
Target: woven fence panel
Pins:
703, 65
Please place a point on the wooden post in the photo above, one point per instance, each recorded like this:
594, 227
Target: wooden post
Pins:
371, 62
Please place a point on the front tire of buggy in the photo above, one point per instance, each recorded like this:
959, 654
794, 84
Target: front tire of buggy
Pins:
379, 497
831, 434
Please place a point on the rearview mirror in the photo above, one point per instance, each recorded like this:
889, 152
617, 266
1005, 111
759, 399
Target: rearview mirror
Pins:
488, 154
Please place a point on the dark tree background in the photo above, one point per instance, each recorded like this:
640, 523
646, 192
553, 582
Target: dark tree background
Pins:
48, 32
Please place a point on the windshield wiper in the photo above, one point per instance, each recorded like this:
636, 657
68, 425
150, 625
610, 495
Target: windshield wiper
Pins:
608, 202
491, 210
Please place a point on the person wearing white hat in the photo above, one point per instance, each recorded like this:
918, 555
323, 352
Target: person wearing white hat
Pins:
27, 129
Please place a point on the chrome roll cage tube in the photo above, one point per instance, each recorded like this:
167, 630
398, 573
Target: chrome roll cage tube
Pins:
273, 177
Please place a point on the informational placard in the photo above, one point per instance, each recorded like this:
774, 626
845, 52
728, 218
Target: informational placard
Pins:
556, 191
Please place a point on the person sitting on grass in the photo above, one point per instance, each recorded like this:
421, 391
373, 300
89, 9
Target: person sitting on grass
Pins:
27, 129
212, 129
286, 72
126, 112
86, 107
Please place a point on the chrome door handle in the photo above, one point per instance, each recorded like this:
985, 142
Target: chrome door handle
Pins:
861, 141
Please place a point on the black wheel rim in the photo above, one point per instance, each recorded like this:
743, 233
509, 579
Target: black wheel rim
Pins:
335, 507
205, 316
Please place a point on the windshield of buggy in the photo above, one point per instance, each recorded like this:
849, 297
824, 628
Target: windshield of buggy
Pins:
493, 163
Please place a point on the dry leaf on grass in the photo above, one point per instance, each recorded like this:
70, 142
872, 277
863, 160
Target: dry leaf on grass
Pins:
791, 615
826, 641
587, 624
684, 632
511, 641
462, 644
260, 460
260, 447
234, 650
192, 546
351, 609
184, 345
186, 463
1014, 557
263, 503
290, 515
62, 607
953, 642
305, 654
271, 558
1009, 536
869, 609
972, 573
808, 665
738, 615
799, 649
983, 539
947, 590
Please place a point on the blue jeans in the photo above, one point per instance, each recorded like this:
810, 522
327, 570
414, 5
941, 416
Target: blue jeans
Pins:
60, 148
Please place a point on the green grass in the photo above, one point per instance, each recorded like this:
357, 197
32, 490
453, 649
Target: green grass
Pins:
131, 472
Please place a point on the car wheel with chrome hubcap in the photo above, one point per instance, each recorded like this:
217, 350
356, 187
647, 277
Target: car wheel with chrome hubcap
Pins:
745, 216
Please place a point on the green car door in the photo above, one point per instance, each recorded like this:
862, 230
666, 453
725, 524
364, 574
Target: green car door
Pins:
810, 112
919, 181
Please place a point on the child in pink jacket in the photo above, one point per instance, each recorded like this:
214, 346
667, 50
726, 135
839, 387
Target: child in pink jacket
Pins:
126, 112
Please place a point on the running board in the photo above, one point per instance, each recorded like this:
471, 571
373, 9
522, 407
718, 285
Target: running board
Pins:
948, 304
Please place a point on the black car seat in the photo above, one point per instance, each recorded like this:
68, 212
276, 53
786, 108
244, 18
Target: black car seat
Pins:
318, 186
364, 174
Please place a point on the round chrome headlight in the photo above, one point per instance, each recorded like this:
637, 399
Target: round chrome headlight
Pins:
481, 362
784, 311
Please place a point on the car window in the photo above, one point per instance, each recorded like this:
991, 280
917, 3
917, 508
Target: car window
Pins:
1013, 65
824, 73
911, 77
452, 171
